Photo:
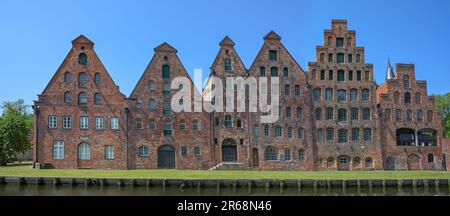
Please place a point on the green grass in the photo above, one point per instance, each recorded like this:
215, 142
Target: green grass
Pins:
26, 170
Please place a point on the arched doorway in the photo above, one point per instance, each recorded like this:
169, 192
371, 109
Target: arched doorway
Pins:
343, 163
166, 157
229, 151
413, 162
390, 163
255, 157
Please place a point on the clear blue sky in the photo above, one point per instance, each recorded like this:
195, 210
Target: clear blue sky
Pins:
35, 35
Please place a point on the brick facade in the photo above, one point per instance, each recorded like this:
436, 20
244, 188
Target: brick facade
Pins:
334, 117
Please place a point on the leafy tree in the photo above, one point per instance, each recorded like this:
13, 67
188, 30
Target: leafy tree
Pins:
15, 125
443, 106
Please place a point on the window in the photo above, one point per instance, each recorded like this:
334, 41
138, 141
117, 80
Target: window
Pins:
84, 151
407, 98
358, 58
270, 154
58, 150
184, 151
151, 85
288, 112
52, 122
114, 123
183, 125
339, 42
341, 95
143, 151
343, 136
273, 55
430, 116
139, 124
274, 71
227, 65
299, 113
341, 75
396, 97
152, 104
262, 71
167, 109
366, 114
318, 114
330, 75
300, 133
358, 75
430, 158
152, 125
82, 98
322, 57
228, 121
342, 115
355, 134
168, 128
287, 154
166, 89
97, 98
406, 81
99, 123
330, 58
138, 105
330, 134
320, 135
354, 113
350, 75
278, 131
418, 98
82, 79
301, 155
387, 114
67, 97
328, 94
290, 133
367, 134
398, 114
340, 58
297, 90
287, 90
82, 59
419, 115
365, 95
330, 114
67, 77
409, 115
350, 58
353, 95
67, 122
197, 151
256, 130
239, 123
97, 78
367, 75
166, 72
217, 121
322, 75
285, 72
343, 161
369, 162
109, 152
317, 94
196, 125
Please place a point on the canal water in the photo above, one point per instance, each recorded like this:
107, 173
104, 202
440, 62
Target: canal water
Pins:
33, 190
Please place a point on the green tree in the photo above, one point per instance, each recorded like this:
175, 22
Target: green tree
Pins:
15, 125
443, 106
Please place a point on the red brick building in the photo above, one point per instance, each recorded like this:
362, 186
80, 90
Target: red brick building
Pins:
334, 117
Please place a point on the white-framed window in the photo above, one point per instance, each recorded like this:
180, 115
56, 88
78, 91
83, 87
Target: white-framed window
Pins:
196, 125
52, 121
58, 150
114, 123
99, 123
84, 151
67, 122
184, 151
143, 151
109, 152
84, 122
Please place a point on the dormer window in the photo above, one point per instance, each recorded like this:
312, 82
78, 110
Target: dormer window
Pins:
82, 59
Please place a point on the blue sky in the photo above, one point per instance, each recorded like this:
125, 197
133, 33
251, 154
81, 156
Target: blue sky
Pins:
36, 35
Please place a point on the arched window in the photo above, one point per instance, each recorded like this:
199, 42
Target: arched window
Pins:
316, 94
365, 95
409, 115
318, 114
228, 121
82, 59
407, 98
342, 115
355, 134
166, 72
151, 85
299, 113
418, 98
369, 162
68, 97
84, 151
82, 98
341, 95
67, 77
274, 71
353, 95
270, 154
430, 116
406, 81
329, 114
97, 78
396, 97
143, 151
343, 136
330, 134
152, 104
301, 155
328, 94
367, 134
97, 98
419, 115
320, 135
82, 78
430, 158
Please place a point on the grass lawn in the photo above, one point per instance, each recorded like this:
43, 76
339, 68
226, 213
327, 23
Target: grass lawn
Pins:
26, 170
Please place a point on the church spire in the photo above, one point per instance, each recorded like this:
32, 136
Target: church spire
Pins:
389, 71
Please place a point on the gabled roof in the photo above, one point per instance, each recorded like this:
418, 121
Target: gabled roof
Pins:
165, 47
272, 36
82, 40
226, 42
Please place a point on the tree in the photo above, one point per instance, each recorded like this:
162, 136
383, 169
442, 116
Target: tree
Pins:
443, 106
15, 125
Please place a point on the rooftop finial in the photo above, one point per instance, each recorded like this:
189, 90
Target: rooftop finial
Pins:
389, 71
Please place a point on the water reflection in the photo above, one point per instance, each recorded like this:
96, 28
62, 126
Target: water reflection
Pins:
31, 190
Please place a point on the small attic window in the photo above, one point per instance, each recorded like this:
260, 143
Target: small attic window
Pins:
82, 59
166, 58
